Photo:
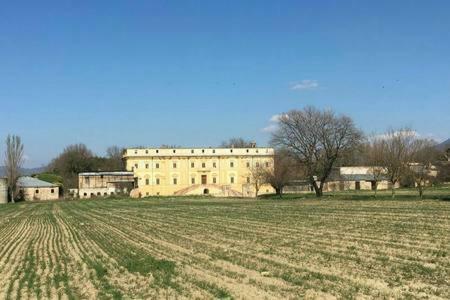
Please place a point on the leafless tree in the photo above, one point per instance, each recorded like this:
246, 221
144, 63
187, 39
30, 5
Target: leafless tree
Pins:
283, 171
398, 146
374, 159
317, 139
237, 142
424, 155
13, 163
115, 156
258, 176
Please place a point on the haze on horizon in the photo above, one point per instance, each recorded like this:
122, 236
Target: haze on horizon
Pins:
166, 72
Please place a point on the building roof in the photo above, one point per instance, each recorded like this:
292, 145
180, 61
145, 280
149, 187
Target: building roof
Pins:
31, 182
121, 173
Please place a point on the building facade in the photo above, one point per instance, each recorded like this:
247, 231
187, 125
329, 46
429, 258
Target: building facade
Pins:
3, 190
33, 189
222, 172
102, 184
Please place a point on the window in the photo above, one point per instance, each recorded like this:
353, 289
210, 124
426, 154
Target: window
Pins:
214, 165
52, 191
231, 164
135, 151
146, 194
37, 191
247, 150
87, 180
231, 150
192, 151
248, 179
147, 181
174, 165
203, 150
257, 151
214, 150
157, 181
157, 151
214, 180
175, 181
135, 166
85, 194
146, 166
232, 179
192, 165
203, 165
193, 180
174, 151
146, 151
248, 165
157, 166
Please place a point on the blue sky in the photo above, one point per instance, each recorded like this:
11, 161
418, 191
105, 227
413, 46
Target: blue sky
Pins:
194, 73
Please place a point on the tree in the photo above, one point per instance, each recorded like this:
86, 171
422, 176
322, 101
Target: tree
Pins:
424, 155
13, 162
114, 155
317, 139
72, 161
258, 177
237, 142
282, 172
374, 159
398, 148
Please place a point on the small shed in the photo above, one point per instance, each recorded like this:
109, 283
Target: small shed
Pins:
33, 189
3, 190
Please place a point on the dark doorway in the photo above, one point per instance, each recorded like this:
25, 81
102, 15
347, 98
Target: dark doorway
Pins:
204, 179
374, 185
357, 185
205, 192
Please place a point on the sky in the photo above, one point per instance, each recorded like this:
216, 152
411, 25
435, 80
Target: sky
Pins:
194, 73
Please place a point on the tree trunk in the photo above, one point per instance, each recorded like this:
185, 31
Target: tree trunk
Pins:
420, 188
393, 190
376, 188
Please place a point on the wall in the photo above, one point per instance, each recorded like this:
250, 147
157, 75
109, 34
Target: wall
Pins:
42, 193
180, 171
3, 191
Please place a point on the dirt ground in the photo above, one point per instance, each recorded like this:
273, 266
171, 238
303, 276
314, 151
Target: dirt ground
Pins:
225, 248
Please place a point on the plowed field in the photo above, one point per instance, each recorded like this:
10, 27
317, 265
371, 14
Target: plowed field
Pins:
225, 248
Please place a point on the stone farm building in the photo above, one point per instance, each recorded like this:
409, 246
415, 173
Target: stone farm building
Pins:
357, 178
198, 171
33, 189
100, 184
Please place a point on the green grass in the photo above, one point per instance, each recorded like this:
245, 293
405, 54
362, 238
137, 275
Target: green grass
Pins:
346, 245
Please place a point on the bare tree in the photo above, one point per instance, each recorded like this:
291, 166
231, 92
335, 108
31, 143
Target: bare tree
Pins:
282, 172
237, 142
398, 148
317, 139
13, 163
374, 157
115, 156
258, 176
424, 155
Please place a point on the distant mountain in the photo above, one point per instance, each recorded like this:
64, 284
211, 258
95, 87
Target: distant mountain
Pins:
444, 145
24, 171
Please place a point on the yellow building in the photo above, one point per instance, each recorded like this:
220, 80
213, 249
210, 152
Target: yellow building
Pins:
198, 171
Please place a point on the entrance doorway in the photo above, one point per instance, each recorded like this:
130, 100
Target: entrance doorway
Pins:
357, 185
205, 192
204, 179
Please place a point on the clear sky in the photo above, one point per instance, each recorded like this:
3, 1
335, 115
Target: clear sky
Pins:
193, 73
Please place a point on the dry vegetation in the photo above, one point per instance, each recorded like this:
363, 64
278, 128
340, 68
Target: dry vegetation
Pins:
223, 248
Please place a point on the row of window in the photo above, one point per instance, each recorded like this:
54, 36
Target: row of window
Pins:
214, 165
175, 181
193, 151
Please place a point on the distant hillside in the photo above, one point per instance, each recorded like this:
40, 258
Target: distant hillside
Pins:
444, 145
24, 171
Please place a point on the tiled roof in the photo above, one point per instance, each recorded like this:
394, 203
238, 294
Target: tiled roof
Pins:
26, 181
